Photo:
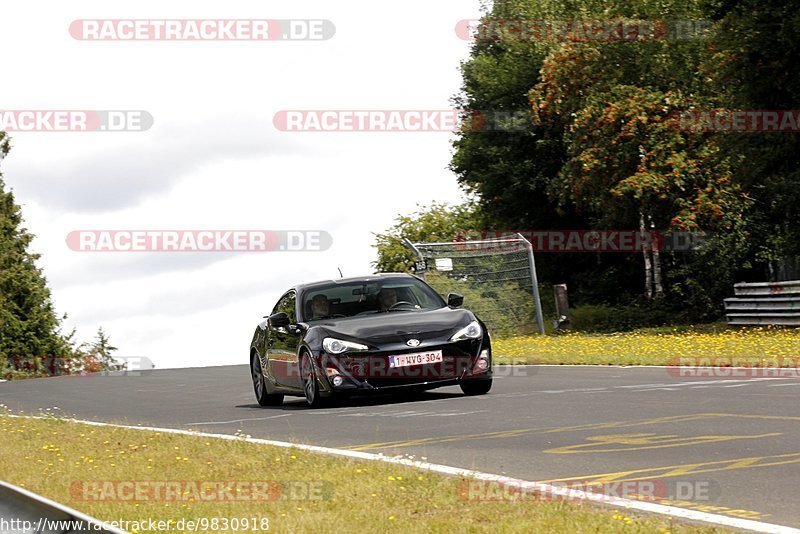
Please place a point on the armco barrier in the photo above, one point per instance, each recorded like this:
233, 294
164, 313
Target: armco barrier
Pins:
764, 303
24, 511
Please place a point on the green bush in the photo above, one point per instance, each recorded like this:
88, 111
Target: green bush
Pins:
602, 318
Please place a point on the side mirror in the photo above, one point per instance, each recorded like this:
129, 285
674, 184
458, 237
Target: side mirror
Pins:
455, 300
278, 320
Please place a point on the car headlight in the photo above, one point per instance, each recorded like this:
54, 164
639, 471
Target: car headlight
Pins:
472, 331
338, 346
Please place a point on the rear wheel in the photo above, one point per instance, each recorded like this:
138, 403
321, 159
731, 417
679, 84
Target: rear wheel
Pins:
476, 387
260, 386
309, 378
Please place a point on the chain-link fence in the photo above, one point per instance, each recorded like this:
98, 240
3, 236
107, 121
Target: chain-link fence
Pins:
497, 278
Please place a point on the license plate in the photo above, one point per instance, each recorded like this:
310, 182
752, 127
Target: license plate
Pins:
417, 358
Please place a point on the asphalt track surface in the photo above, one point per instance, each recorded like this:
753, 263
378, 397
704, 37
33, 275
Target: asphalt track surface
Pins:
729, 446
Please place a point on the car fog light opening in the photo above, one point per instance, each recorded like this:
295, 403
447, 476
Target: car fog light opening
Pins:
482, 363
338, 381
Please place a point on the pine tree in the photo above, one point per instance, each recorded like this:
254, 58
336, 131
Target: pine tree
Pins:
30, 336
98, 354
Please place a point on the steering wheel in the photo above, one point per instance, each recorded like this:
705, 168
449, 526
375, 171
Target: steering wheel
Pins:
398, 303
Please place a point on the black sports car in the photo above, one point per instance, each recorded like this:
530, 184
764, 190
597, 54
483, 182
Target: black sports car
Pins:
371, 334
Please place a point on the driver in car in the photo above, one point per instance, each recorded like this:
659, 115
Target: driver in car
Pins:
387, 298
320, 306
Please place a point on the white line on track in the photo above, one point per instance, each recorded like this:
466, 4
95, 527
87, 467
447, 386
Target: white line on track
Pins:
238, 420
547, 489
409, 413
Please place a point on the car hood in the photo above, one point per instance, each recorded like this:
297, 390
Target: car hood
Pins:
394, 327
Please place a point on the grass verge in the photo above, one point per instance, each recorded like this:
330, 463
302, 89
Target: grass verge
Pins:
61, 459
655, 346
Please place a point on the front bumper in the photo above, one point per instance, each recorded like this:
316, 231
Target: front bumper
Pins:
370, 371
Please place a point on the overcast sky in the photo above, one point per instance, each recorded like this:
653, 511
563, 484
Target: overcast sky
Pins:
214, 160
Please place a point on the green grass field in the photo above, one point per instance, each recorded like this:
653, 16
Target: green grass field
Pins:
74, 464
656, 346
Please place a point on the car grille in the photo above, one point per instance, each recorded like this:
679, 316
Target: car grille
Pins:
374, 367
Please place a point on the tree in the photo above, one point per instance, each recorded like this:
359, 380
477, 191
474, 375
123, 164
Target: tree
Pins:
630, 165
519, 176
437, 222
603, 150
753, 66
97, 355
29, 326
31, 340
508, 171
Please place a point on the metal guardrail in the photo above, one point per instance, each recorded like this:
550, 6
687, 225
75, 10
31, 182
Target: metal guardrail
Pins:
25, 511
767, 289
764, 303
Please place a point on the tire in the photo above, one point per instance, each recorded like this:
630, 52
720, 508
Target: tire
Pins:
308, 377
476, 387
260, 385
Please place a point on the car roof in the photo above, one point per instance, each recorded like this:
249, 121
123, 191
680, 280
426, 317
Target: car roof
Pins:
366, 278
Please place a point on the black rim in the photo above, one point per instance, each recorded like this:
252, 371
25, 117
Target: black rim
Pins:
258, 382
308, 380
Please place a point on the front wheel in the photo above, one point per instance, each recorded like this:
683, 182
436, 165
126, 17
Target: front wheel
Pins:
260, 386
476, 387
309, 378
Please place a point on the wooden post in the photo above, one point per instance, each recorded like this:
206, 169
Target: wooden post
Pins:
562, 307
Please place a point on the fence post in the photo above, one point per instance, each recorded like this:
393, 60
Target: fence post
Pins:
535, 281
420, 264
562, 306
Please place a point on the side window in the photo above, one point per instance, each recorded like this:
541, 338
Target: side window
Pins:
277, 307
286, 305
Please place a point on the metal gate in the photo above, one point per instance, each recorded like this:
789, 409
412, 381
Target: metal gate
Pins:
496, 276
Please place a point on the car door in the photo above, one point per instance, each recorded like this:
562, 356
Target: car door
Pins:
282, 344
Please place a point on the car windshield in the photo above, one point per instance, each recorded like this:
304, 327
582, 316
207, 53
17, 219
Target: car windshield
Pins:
367, 297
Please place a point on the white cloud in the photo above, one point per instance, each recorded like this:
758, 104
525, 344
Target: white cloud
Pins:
213, 159
138, 168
